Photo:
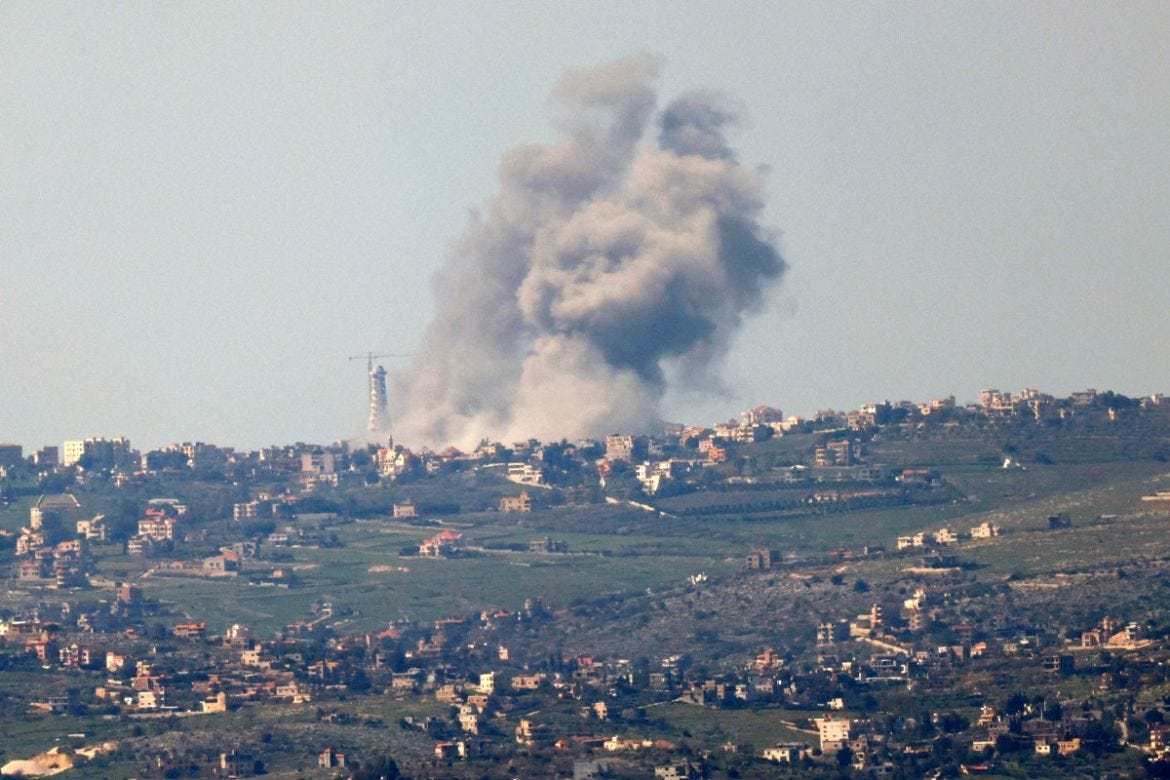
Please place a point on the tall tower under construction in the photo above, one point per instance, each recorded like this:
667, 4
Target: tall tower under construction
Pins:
379, 420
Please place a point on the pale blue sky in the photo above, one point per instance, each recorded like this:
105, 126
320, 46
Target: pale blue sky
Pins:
205, 207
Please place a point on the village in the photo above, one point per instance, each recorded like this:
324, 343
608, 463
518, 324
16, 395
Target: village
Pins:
903, 656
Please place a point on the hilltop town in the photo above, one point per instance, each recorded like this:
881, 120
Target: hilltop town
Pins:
907, 589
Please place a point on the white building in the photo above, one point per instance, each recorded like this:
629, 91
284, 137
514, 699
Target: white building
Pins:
787, 752
834, 732
984, 531
102, 452
94, 530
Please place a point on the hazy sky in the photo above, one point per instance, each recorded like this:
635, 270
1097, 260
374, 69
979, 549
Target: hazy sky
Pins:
206, 207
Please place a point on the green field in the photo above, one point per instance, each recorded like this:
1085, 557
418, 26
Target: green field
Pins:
623, 586
618, 550
758, 728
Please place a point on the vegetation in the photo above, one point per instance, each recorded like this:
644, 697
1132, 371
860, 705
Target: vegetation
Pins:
644, 603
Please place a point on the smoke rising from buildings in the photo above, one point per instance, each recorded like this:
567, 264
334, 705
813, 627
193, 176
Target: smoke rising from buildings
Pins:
608, 266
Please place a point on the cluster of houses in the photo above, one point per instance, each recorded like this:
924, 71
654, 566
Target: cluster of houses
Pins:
445, 661
42, 555
133, 675
1035, 404
314, 465
156, 531
945, 536
535, 464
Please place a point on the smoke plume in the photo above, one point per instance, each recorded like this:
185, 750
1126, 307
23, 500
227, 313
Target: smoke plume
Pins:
606, 267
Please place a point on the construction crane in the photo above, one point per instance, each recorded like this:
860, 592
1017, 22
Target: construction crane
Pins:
379, 421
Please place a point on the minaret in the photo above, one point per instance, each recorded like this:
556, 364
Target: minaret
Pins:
378, 419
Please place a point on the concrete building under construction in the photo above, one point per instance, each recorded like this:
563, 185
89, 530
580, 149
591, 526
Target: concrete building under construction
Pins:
379, 420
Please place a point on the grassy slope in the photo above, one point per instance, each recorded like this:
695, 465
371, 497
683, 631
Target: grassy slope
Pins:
617, 549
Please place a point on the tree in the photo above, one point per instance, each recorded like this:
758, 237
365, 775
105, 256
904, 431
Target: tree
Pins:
55, 483
384, 768
1015, 703
1054, 711
157, 460
358, 681
953, 722
258, 528
1010, 743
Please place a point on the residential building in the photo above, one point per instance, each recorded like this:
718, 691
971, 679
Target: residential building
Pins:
96, 529
46, 456
97, 452
619, 447
252, 510
839, 452
526, 473
787, 752
547, 545
530, 733
190, 631
11, 454
216, 703
945, 536
762, 415
985, 531
330, 759
520, 503
834, 732
319, 463
761, 558
678, 770
441, 545
158, 529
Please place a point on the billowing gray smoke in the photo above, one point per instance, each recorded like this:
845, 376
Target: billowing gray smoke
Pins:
604, 268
